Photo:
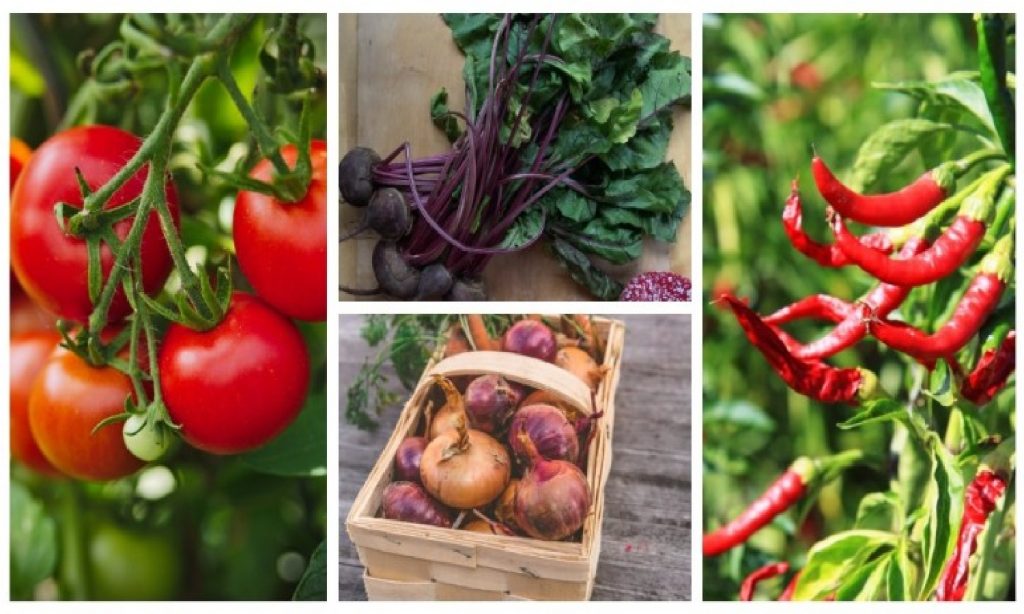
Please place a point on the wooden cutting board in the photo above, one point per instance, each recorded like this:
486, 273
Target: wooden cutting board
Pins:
390, 67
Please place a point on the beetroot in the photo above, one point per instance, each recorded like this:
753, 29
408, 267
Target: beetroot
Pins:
355, 175
531, 338
657, 286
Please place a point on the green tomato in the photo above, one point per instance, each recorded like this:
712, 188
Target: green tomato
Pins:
134, 565
146, 440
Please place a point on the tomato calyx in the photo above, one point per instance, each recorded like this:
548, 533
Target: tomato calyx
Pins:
208, 312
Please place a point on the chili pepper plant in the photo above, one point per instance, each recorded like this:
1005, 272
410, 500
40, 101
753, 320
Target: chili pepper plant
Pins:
881, 385
168, 220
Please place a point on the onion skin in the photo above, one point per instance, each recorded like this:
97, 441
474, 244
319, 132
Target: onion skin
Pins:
553, 499
465, 468
505, 506
548, 430
489, 402
409, 502
407, 459
580, 364
479, 525
531, 338
451, 413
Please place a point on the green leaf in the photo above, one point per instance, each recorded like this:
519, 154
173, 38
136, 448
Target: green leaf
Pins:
617, 245
313, 584
525, 228
889, 145
880, 511
440, 115
877, 410
959, 93
33, 542
866, 583
618, 118
583, 271
644, 151
904, 572
667, 83
301, 450
943, 502
569, 204
831, 561
408, 354
656, 191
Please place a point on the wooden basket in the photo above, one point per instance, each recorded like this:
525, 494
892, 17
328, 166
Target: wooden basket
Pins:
405, 560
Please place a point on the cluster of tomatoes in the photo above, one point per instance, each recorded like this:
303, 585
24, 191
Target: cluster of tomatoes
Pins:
227, 389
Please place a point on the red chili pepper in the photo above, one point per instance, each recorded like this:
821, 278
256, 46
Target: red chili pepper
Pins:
825, 255
978, 302
814, 379
979, 501
815, 306
881, 301
780, 496
787, 594
991, 373
946, 254
760, 574
893, 209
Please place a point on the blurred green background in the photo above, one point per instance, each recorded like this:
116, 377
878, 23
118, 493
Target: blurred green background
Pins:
193, 526
774, 86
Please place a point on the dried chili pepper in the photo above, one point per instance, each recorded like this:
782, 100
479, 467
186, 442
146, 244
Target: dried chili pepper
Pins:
991, 373
980, 299
893, 209
825, 255
780, 496
979, 501
760, 574
947, 252
814, 379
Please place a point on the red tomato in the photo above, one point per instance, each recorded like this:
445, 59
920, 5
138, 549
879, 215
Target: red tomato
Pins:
238, 385
282, 247
52, 265
26, 316
29, 352
69, 398
20, 153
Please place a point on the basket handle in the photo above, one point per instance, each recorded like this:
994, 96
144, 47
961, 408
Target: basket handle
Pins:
521, 369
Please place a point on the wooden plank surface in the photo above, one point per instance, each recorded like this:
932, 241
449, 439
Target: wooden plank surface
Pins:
391, 65
645, 550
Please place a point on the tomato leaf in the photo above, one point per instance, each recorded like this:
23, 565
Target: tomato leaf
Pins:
301, 450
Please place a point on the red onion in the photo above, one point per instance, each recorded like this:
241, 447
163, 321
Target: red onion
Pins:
549, 431
407, 459
465, 468
409, 502
553, 498
531, 338
489, 402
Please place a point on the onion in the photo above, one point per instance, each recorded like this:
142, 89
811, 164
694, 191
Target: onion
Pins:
409, 502
407, 459
580, 364
548, 431
505, 506
489, 402
546, 397
530, 338
553, 498
465, 468
483, 524
451, 412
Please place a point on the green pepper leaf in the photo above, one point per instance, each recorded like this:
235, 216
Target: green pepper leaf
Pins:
831, 561
887, 146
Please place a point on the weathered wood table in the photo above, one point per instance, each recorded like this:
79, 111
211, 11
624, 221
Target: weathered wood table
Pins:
645, 549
